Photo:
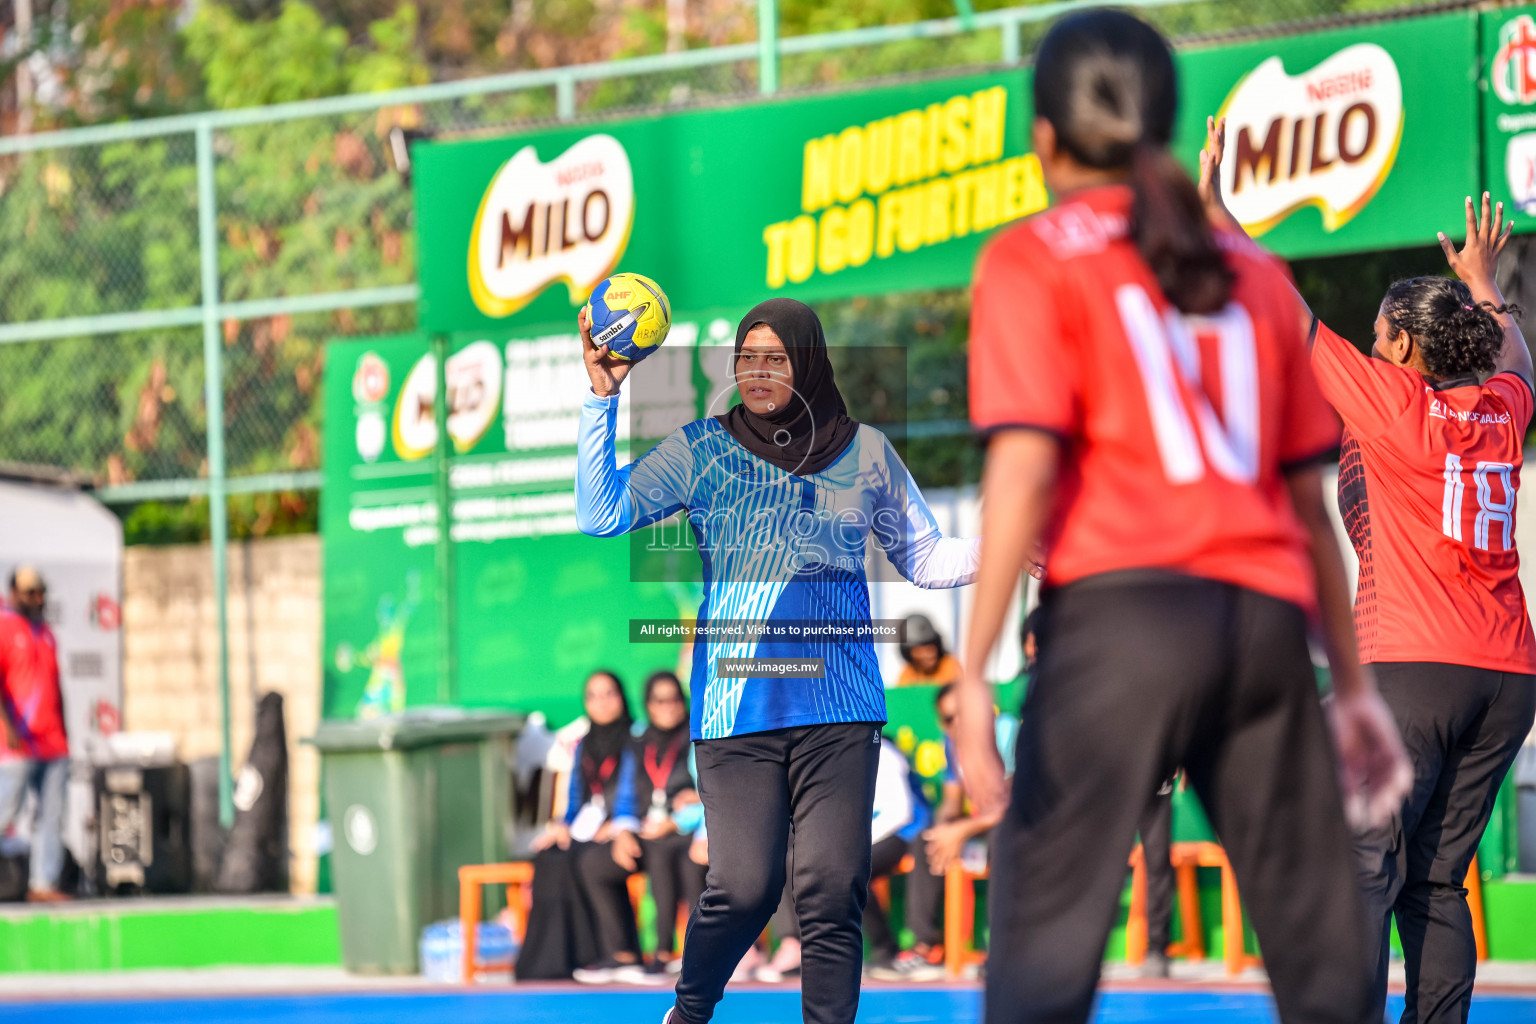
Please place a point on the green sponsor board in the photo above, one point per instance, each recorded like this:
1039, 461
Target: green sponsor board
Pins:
536, 605
881, 190
382, 635
1344, 140
1350, 140
1509, 111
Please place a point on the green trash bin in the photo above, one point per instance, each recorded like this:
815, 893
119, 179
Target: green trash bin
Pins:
411, 798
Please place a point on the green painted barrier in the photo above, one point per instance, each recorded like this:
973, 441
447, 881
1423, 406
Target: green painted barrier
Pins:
119, 935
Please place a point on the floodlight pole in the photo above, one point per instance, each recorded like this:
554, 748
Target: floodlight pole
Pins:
767, 46
213, 399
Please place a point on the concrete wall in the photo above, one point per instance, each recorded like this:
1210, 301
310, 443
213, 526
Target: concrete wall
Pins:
170, 675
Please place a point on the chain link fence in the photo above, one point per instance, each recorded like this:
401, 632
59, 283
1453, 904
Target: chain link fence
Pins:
102, 335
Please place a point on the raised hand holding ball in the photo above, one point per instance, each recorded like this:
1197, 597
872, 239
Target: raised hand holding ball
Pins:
629, 314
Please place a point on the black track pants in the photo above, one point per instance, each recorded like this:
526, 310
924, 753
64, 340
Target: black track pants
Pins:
821, 778
1462, 727
1138, 674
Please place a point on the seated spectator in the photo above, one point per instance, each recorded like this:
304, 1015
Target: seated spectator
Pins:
955, 835
1029, 644
928, 663
562, 934
649, 822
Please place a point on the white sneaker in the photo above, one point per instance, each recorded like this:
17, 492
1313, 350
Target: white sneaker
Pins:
593, 975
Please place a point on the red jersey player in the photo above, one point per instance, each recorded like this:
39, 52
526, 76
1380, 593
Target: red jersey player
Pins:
1434, 429
1150, 412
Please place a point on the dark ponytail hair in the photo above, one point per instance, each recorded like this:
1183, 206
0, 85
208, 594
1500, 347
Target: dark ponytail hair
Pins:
1456, 336
1106, 82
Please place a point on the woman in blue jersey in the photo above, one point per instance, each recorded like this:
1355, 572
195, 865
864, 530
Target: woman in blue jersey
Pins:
782, 492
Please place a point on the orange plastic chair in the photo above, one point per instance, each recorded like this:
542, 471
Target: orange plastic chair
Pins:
880, 888
1474, 886
960, 919
517, 877
637, 883
1192, 946
1136, 919
1186, 857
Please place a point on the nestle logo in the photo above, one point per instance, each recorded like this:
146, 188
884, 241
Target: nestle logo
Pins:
1334, 86
581, 172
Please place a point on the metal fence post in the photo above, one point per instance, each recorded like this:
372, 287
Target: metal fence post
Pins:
767, 46
1010, 30
213, 398
565, 97
447, 602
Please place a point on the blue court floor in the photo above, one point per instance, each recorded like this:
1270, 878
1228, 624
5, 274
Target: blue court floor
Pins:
883, 1005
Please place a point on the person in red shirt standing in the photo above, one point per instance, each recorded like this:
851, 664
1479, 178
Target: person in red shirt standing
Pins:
1151, 417
1435, 426
34, 751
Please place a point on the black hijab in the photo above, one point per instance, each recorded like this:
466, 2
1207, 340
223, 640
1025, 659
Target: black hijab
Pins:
664, 739
603, 742
814, 425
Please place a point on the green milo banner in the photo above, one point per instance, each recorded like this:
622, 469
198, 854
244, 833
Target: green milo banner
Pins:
1358, 138
1340, 141
855, 193
1352, 140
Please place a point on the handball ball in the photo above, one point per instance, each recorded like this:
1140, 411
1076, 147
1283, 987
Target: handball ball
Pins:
630, 315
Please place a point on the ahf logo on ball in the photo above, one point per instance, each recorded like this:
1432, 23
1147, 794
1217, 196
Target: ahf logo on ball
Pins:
1326, 137
567, 220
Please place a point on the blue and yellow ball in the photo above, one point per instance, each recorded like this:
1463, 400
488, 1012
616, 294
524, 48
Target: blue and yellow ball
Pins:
630, 314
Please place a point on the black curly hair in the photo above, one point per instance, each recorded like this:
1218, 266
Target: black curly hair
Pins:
1456, 336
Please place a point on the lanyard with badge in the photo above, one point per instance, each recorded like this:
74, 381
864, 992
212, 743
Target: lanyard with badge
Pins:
595, 811
659, 771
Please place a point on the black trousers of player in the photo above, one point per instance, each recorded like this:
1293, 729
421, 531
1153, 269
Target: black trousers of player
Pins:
1139, 673
1463, 728
820, 780
1156, 831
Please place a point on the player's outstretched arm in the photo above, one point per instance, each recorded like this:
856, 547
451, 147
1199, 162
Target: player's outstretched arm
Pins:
611, 501
1209, 185
1487, 234
1216, 210
905, 527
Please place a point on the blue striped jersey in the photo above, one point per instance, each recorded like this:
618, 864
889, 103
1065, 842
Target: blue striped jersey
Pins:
776, 548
